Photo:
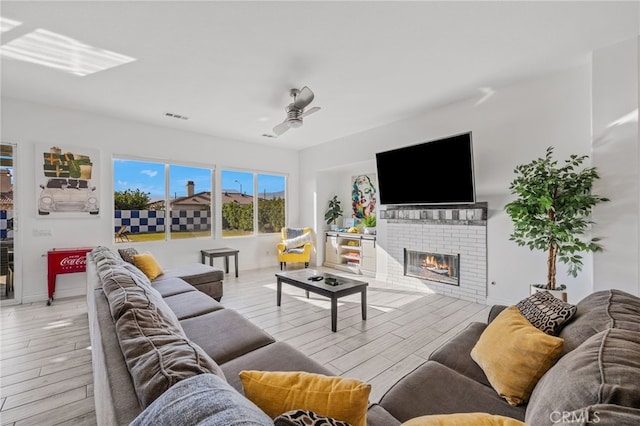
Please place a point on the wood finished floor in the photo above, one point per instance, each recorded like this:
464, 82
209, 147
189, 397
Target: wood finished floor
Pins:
45, 357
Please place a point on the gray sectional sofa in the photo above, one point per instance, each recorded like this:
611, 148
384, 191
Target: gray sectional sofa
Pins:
134, 322
596, 380
224, 342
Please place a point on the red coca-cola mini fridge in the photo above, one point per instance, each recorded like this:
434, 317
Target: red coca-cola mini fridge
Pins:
64, 261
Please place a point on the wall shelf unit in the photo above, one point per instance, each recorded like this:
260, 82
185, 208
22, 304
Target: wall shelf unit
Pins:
350, 252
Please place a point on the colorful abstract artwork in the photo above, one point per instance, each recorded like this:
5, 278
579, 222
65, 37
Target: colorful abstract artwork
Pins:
363, 195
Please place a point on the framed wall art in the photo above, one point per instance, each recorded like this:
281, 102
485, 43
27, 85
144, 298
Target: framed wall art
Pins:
67, 181
364, 195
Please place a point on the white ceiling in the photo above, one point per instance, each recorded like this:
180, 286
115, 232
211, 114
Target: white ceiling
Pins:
229, 65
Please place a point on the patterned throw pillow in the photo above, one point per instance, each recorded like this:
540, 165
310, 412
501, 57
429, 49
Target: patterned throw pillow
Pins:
306, 418
546, 312
127, 254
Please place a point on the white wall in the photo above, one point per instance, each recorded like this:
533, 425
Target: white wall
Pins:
512, 127
616, 96
27, 124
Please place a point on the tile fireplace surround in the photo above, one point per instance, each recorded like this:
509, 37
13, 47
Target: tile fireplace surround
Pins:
443, 229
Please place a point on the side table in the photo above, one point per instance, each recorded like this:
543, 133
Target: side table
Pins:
221, 252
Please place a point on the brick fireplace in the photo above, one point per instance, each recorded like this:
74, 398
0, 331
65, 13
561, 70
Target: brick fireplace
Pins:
426, 237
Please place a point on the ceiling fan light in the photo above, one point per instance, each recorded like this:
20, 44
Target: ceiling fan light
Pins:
294, 122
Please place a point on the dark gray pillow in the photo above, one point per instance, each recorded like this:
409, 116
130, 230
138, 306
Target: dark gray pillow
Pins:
605, 369
157, 353
546, 312
127, 254
203, 400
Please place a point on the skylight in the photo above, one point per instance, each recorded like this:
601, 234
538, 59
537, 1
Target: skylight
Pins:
7, 24
54, 50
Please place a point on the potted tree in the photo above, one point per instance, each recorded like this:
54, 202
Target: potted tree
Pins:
552, 212
333, 212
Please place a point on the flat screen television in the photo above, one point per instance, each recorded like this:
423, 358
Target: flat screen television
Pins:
435, 172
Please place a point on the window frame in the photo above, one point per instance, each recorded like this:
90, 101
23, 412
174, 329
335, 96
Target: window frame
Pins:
255, 174
167, 192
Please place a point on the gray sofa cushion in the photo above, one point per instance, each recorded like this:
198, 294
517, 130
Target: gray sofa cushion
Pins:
377, 415
278, 356
600, 311
456, 353
195, 273
433, 388
204, 278
172, 286
202, 400
125, 298
191, 304
603, 370
116, 401
225, 334
106, 263
103, 254
125, 291
158, 354
139, 276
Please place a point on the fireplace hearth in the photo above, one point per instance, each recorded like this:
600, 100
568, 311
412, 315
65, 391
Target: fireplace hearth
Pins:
439, 267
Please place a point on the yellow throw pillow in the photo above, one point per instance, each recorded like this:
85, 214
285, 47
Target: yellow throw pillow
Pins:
514, 355
463, 419
277, 392
147, 264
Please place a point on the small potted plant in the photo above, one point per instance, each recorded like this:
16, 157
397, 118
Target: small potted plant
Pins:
552, 212
333, 212
369, 224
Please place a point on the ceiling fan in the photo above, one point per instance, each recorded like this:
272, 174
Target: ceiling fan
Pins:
296, 110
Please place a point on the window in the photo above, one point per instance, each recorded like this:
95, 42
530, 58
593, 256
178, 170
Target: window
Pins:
240, 191
157, 201
270, 203
190, 205
237, 203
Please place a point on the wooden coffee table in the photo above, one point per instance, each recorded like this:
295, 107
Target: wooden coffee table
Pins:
343, 287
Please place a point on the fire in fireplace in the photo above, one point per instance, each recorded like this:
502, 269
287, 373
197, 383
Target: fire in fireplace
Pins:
440, 267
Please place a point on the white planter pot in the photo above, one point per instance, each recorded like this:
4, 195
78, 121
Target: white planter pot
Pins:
558, 294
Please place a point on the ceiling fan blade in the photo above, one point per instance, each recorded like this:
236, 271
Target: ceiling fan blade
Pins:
303, 98
310, 111
281, 128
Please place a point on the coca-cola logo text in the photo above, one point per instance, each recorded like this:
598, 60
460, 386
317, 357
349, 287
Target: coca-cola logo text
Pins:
75, 260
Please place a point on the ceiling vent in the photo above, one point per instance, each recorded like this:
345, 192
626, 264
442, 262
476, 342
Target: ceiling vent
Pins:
178, 116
